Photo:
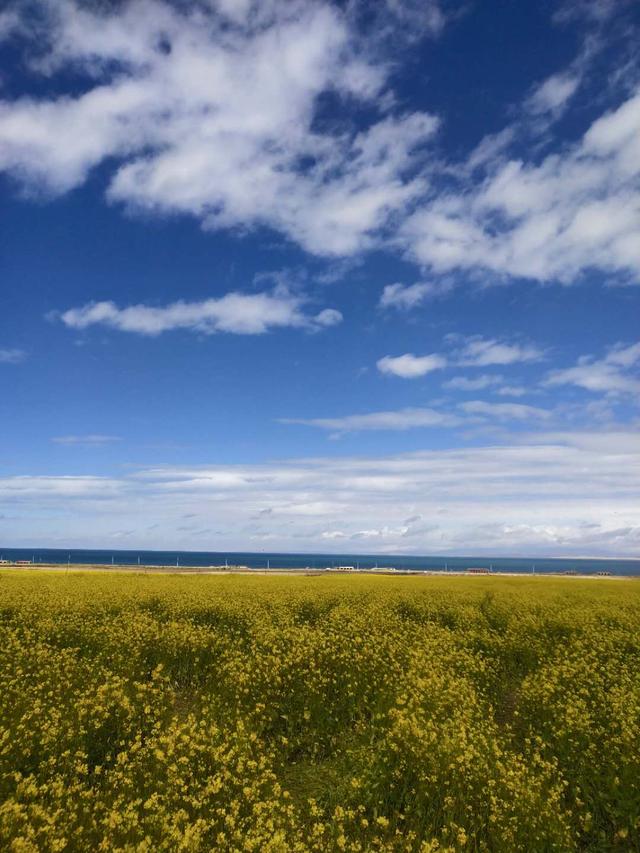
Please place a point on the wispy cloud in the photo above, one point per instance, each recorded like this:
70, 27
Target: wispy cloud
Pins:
12, 356
504, 411
553, 94
512, 391
474, 351
9, 22
609, 375
477, 351
238, 313
68, 486
409, 366
400, 419
95, 440
466, 413
588, 10
495, 383
553, 493
413, 19
477, 383
405, 297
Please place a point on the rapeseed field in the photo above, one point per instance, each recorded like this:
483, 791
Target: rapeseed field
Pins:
167, 713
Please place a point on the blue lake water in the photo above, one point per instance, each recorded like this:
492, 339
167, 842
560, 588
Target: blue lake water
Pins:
201, 559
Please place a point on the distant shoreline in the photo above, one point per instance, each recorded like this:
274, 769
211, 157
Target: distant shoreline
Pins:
136, 568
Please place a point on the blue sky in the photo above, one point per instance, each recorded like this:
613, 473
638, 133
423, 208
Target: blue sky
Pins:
317, 276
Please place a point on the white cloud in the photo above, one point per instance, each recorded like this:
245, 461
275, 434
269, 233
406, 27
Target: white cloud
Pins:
385, 532
504, 411
16, 488
624, 356
619, 441
211, 111
481, 352
409, 366
406, 297
595, 376
238, 313
489, 149
512, 391
472, 411
553, 220
328, 317
609, 375
12, 356
472, 351
493, 382
554, 493
553, 94
588, 10
85, 440
9, 23
401, 419
416, 17
464, 383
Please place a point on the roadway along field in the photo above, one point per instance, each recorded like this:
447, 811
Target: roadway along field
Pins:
237, 713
